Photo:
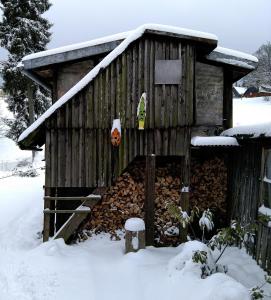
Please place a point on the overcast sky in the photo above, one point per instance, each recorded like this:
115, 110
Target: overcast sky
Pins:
239, 24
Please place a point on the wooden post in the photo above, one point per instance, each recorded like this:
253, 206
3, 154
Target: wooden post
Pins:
184, 201
149, 198
134, 235
46, 219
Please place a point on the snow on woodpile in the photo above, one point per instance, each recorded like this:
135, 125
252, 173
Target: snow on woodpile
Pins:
214, 141
134, 224
252, 131
134, 35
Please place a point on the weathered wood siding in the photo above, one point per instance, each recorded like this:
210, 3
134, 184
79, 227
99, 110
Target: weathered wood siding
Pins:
78, 146
209, 94
244, 177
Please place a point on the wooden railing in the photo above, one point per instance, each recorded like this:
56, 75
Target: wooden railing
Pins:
74, 221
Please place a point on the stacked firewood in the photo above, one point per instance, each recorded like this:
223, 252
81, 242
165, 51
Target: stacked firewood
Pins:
209, 184
125, 199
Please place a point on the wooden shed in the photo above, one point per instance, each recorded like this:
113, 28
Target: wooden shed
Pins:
187, 84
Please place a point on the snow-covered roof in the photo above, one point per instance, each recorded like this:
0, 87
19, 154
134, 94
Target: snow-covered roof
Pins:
214, 141
134, 35
129, 38
235, 53
95, 42
233, 57
251, 131
240, 89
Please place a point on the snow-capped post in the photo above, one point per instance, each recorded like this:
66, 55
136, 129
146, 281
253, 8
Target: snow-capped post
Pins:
134, 235
149, 198
116, 133
141, 111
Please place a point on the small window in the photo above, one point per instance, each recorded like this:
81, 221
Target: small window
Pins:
168, 71
267, 179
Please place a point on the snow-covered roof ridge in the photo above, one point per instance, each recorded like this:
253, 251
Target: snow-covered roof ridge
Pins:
121, 36
252, 131
236, 53
95, 42
134, 35
214, 141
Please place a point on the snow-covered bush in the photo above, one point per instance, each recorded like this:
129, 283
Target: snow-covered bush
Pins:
30, 172
195, 257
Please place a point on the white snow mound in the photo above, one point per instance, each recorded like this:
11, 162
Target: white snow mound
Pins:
134, 224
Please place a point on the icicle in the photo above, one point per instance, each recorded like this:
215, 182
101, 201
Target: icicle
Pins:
116, 133
141, 111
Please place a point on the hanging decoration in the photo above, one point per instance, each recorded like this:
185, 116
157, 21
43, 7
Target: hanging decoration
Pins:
141, 111
116, 133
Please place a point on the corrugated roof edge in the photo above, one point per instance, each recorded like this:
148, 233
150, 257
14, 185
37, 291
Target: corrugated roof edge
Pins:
134, 35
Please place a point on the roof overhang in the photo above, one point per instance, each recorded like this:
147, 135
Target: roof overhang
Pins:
238, 62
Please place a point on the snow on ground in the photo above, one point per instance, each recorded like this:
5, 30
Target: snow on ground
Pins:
10, 153
98, 269
247, 111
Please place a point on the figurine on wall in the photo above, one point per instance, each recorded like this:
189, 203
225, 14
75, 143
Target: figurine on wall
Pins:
141, 111
116, 133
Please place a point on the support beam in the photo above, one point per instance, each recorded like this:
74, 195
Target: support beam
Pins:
149, 198
185, 176
46, 220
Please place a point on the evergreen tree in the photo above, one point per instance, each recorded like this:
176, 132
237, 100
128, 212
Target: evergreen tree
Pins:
262, 75
23, 30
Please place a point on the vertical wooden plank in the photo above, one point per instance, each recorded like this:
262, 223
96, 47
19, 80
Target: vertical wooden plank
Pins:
134, 87
261, 177
180, 102
48, 159
151, 98
185, 179
61, 166
157, 88
89, 106
54, 165
129, 70
149, 198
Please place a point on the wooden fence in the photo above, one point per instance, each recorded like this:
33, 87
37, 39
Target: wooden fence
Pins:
262, 252
258, 245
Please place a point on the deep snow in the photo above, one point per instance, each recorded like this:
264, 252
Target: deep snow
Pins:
98, 268
249, 111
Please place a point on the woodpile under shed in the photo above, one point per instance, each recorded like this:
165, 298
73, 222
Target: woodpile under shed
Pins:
125, 199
